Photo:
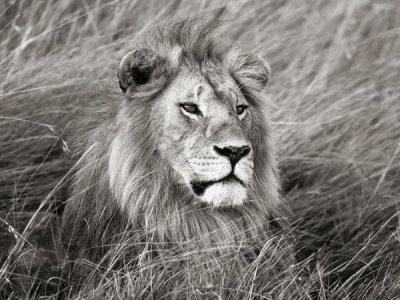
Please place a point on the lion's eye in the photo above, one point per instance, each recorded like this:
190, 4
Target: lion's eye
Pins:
191, 108
240, 109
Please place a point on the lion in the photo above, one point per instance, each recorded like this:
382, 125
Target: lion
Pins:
176, 151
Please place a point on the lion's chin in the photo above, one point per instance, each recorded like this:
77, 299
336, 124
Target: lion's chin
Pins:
225, 194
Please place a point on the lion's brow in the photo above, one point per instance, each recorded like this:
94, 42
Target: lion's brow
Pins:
221, 87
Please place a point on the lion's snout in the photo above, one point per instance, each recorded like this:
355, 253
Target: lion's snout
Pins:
222, 178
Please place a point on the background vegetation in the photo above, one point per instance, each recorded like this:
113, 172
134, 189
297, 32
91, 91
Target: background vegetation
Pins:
333, 102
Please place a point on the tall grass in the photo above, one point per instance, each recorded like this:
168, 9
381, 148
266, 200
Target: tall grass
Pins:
334, 102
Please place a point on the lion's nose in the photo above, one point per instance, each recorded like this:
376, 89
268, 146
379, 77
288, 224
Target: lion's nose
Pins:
234, 154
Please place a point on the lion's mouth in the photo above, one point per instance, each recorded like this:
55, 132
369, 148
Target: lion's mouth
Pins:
199, 187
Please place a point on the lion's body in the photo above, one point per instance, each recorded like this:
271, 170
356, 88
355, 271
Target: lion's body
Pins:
125, 192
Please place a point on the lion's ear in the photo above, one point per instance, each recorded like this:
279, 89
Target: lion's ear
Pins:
250, 70
137, 67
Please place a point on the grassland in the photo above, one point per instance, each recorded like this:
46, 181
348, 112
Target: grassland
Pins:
334, 103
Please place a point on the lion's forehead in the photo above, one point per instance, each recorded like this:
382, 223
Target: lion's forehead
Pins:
215, 81
223, 85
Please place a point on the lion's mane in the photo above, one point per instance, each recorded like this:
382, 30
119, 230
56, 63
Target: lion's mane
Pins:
121, 191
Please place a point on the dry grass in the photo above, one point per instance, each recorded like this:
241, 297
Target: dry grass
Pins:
335, 107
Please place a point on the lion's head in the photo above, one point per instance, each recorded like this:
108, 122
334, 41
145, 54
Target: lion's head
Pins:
206, 118
183, 151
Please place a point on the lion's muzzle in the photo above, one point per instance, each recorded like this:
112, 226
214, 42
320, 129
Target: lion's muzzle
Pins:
227, 187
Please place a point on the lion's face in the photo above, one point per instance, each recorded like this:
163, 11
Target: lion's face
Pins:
202, 119
206, 124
